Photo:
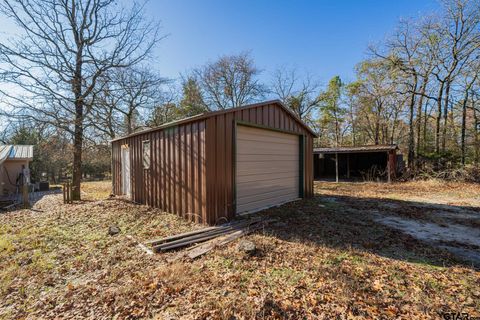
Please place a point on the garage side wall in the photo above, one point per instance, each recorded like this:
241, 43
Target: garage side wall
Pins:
175, 181
220, 146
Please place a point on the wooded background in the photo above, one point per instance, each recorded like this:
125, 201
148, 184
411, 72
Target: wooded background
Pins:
79, 73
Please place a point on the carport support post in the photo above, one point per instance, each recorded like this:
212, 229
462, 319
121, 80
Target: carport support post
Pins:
348, 165
389, 168
336, 167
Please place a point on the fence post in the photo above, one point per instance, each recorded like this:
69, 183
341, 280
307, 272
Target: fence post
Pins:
68, 192
26, 202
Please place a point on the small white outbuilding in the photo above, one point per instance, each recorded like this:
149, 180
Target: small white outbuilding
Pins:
14, 167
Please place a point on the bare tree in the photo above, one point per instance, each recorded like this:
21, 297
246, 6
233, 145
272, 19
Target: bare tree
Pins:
230, 82
405, 53
127, 94
300, 94
64, 48
377, 94
469, 80
166, 109
453, 42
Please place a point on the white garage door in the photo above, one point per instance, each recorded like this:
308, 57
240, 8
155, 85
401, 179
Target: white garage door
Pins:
267, 168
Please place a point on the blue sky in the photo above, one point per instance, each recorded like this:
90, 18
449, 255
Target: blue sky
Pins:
323, 38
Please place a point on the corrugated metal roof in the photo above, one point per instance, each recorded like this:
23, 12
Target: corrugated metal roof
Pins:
4, 152
371, 148
8, 152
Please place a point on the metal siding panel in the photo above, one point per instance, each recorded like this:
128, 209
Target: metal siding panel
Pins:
135, 171
168, 170
221, 174
178, 170
171, 172
210, 169
203, 171
139, 170
245, 115
159, 170
196, 196
144, 185
271, 116
259, 115
163, 179
253, 116
155, 174
264, 116
177, 180
146, 174
141, 180
228, 190
277, 117
188, 173
184, 185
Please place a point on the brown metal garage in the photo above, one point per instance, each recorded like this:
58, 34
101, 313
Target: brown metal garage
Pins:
211, 167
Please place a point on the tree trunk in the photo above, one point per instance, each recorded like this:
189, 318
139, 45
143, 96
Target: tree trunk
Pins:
477, 142
411, 131
78, 130
423, 88
77, 150
445, 115
439, 117
464, 120
377, 131
354, 140
425, 124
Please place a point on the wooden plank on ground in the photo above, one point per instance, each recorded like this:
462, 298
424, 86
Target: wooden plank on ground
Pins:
201, 250
178, 236
191, 240
199, 233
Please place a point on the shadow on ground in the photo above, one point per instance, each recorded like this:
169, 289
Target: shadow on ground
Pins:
427, 233
14, 202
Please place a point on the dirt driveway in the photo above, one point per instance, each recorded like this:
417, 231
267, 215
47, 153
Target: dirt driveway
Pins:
443, 215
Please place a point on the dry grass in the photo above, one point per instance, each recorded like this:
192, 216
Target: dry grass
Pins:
317, 262
438, 191
96, 190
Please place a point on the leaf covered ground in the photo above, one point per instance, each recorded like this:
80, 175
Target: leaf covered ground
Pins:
326, 257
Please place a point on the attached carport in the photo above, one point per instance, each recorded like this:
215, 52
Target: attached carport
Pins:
353, 163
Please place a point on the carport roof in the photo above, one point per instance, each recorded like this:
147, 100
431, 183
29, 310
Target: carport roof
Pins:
370, 148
